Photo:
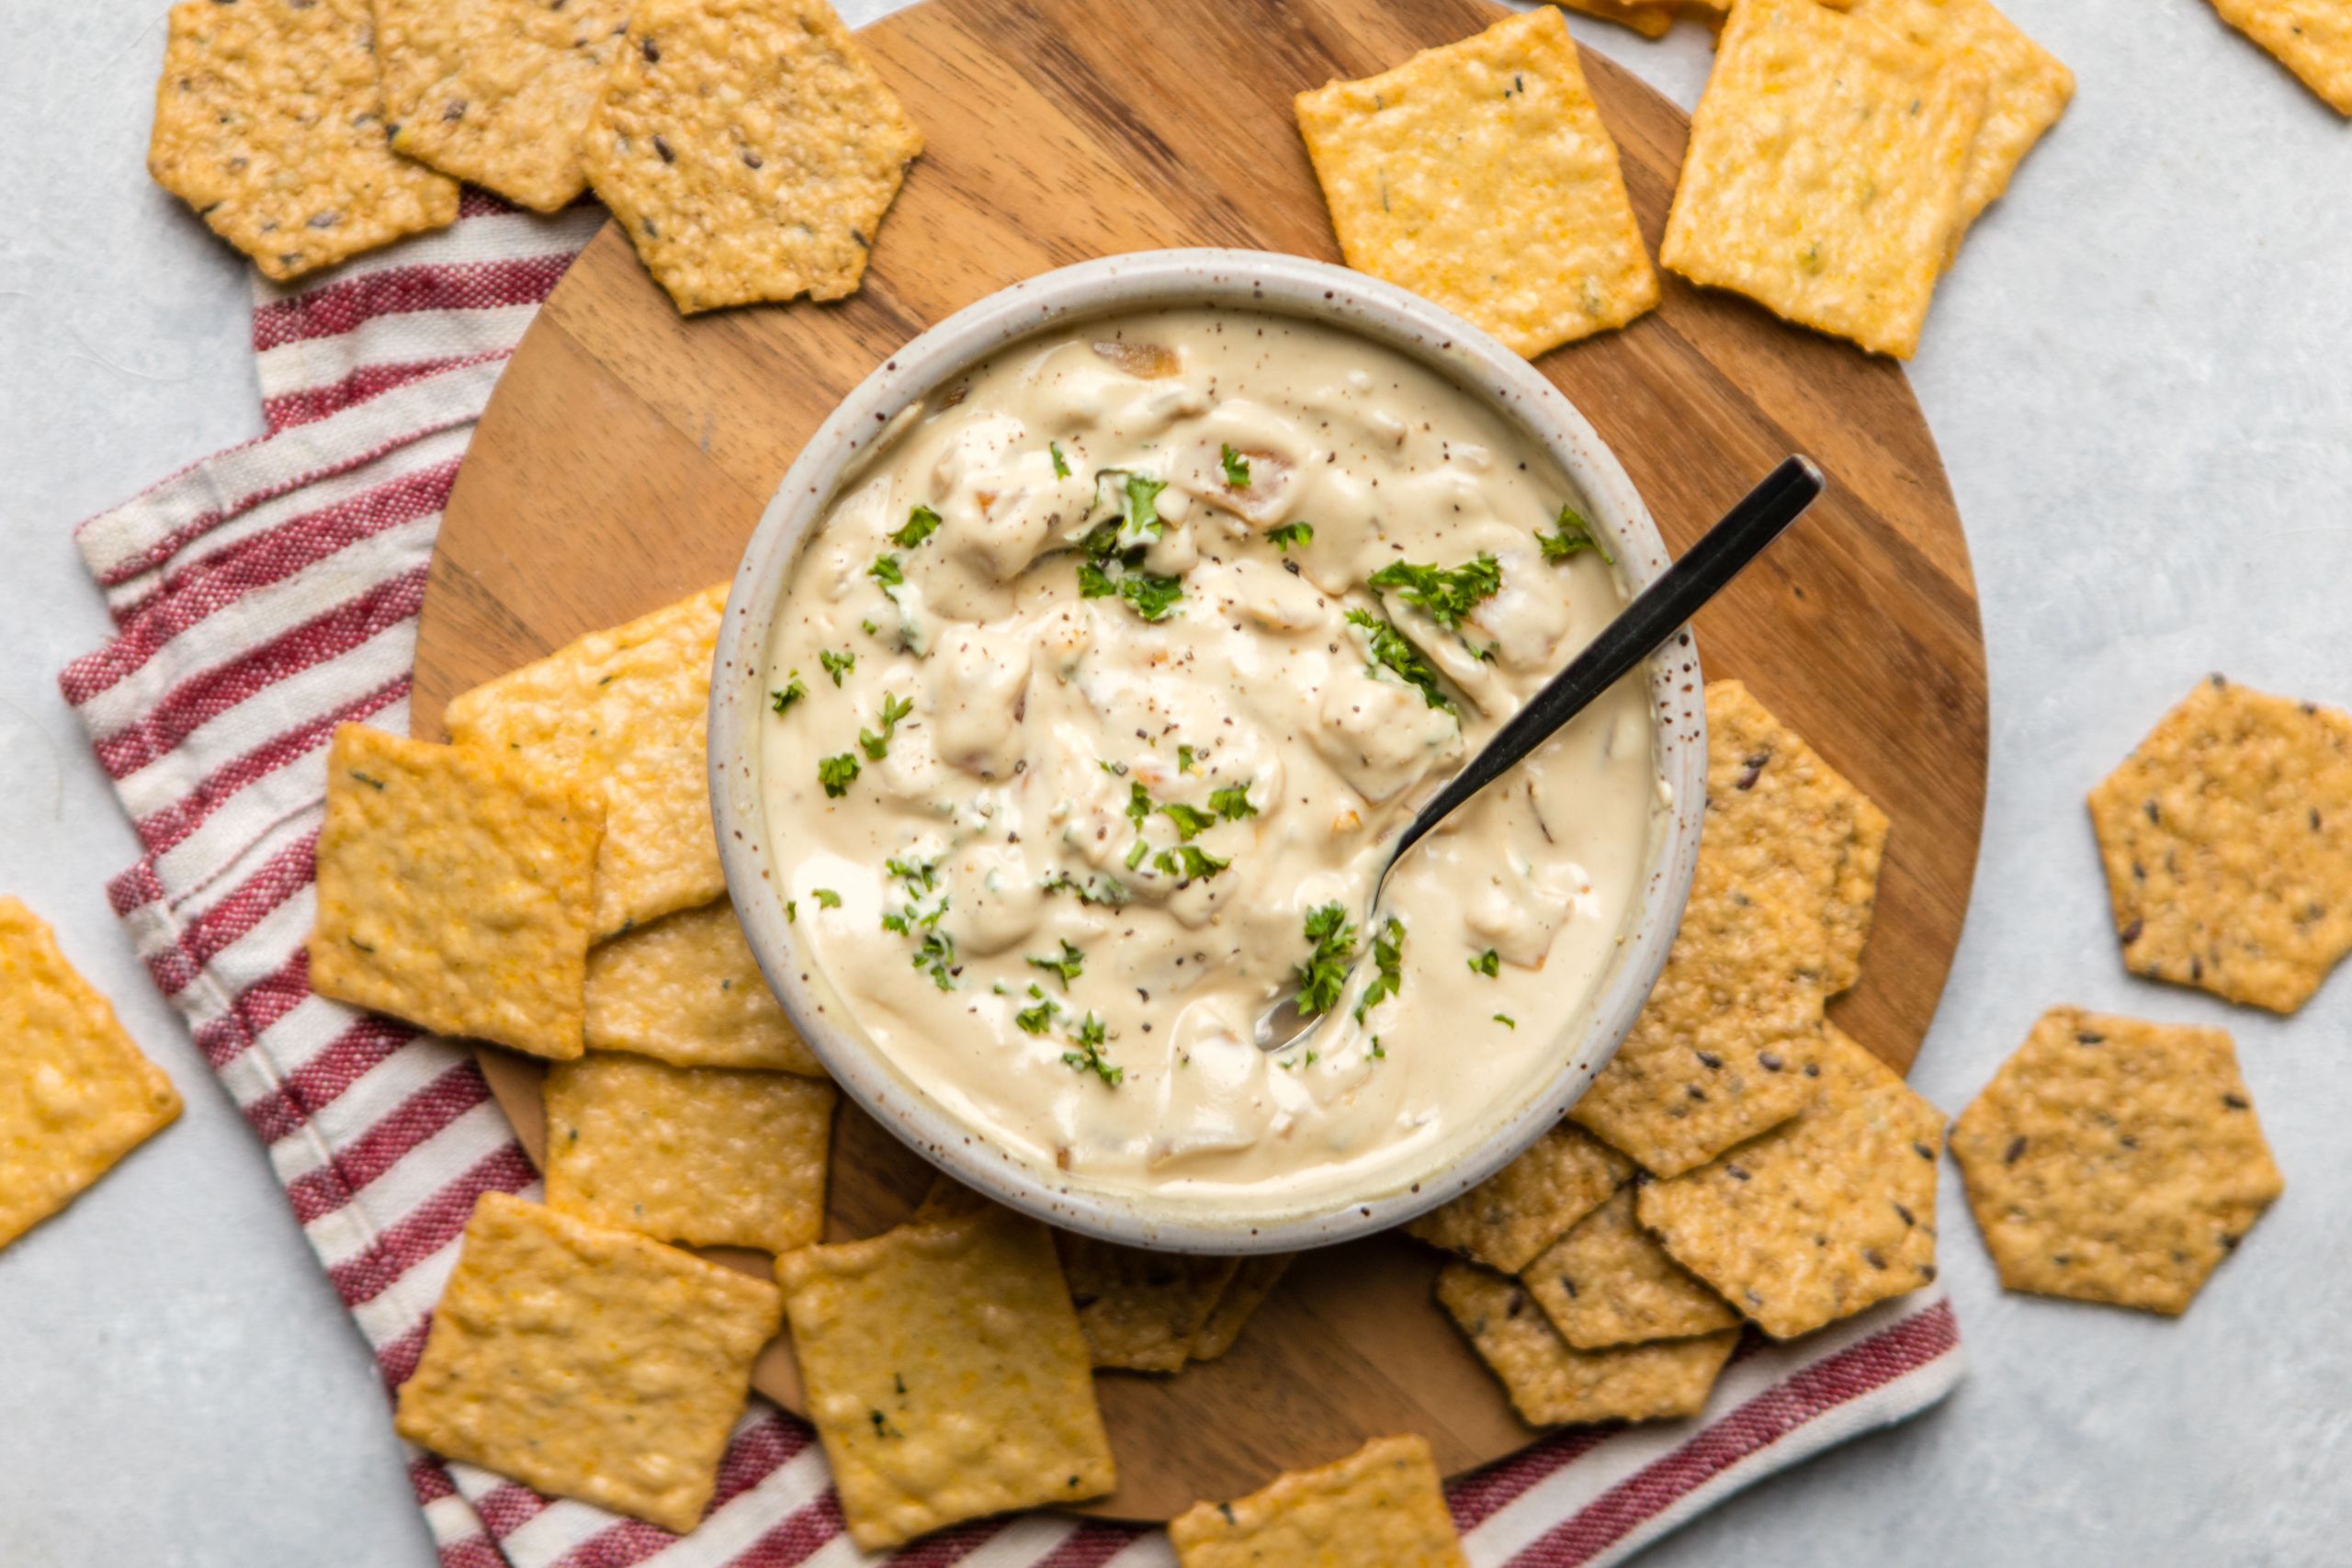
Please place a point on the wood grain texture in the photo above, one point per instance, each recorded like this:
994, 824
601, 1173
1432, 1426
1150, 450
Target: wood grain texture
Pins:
627, 454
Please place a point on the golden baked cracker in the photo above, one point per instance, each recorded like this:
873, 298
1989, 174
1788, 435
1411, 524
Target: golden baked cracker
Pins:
1381, 1505
1480, 176
748, 149
2027, 87
624, 708
1779, 906
945, 1373
2223, 836
712, 1156
1609, 1282
1140, 1310
1828, 160
2310, 37
1821, 1217
75, 1093
2114, 1160
1646, 18
588, 1362
1248, 1291
1518, 1211
1551, 1384
498, 91
268, 122
686, 989
454, 890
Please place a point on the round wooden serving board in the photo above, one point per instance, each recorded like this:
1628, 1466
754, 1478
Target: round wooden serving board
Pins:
628, 452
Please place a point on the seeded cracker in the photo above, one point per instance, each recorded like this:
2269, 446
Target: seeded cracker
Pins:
687, 990
1650, 20
587, 1362
1251, 1285
1609, 1282
2310, 37
76, 1094
1381, 1503
1778, 908
453, 890
268, 122
2113, 1160
1822, 1216
1479, 175
2223, 836
945, 1374
498, 91
712, 1156
624, 709
1140, 1310
748, 150
1824, 175
1518, 1211
1551, 1384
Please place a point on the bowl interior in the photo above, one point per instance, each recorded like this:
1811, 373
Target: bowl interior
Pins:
1121, 285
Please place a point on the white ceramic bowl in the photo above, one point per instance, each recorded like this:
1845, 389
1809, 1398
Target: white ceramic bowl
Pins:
1120, 285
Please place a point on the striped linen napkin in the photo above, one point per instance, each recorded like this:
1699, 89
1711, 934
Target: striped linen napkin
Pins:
266, 594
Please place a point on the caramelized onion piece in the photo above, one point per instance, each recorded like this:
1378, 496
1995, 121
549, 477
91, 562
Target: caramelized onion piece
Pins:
1145, 361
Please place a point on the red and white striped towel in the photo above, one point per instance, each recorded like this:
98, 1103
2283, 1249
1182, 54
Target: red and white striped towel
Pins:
266, 594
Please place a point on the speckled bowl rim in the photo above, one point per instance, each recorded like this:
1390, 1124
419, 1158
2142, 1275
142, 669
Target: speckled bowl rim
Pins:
1148, 280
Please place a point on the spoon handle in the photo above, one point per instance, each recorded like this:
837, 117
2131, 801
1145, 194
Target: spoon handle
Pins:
1636, 633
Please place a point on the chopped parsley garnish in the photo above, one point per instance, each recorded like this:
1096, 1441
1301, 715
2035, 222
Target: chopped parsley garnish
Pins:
1061, 464
1575, 533
825, 898
1136, 852
921, 524
877, 747
1038, 1019
1183, 759
1506, 1020
1113, 567
1388, 958
1191, 821
836, 664
885, 570
1149, 594
837, 773
791, 914
921, 876
1190, 862
1068, 965
1138, 804
1236, 469
1289, 533
1332, 948
1444, 595
1393, 649
1232, 802
1089, 1057
1139, 521
793, 691
1108, 891
936, 956
1489, 964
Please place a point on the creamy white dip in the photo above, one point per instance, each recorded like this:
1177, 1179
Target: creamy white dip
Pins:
1095, 633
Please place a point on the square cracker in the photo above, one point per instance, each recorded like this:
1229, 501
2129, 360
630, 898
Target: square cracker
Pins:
269, 124
2229, 865
2113, 1160
1821, 1217
1646, 18
1252, 1282
1518, 1211
498, 91
1779, 906
712, 1156
1140, 1310
588, 1362
945, 1373
1609, 1282
2310, 37
1551, 1384
1479, 175
76, 1094
454, 890
748, 150
1828, 160
686, 989
1381, 1504
624, 709
2027, 87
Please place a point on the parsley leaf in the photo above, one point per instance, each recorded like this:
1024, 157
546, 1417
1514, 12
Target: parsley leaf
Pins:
1444, 595
1332, 948
936, 954
877, 747
1289, 533
1506, 1020
793, 691
836, 664
1189, 861
1232, 802
1139, 521
1038, 1019
1138, 805
837, 773
1089, 1057
1191, 821
1236, 469
1108, 891
921, 524
1388, 958
1489, 964
1392, 648
1150, 595
827, 898
1061, 464
1068, 965
1183, 759
885, 570
1575, 533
